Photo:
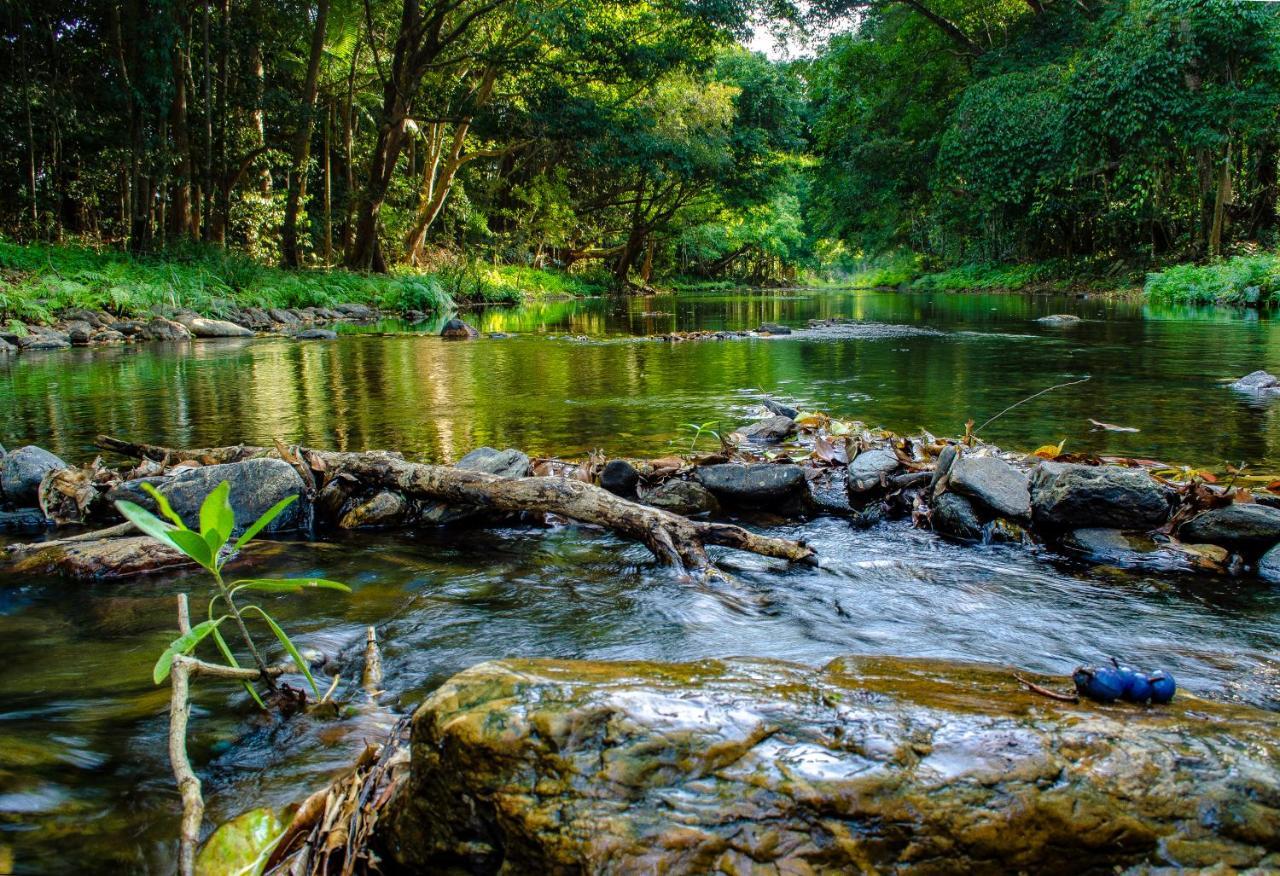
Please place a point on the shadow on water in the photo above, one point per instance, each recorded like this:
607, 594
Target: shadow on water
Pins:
83, 772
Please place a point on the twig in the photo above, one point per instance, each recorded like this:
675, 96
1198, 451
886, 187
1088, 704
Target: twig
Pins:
1027, 399
188, 781
371, 680
1045, 692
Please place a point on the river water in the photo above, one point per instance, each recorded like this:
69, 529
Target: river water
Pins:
84, 780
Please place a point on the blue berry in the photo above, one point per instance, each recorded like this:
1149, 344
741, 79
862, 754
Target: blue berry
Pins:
1162, 686
1099, 683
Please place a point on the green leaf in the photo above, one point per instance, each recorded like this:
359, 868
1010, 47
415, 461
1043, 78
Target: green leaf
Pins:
231, 661
217, 520
163, 504
287, 585
288, 646
146, 521
191, 544
183, 645
261, 523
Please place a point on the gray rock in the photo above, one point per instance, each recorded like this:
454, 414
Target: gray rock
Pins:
6, 347
1259, 382
1059, 319
758, 485
869, 468
253, 318
95, 318
317, 334
993, 483
1245, 528
161, 329
1116, 548
217, 328
44, 339
868, 765
508, 463
620, 478
256, 485
355, 311
25, 521
386, 508
1269, 566
688, 498
954, 516
457, 330
1070, 496
769, 431
283, 316
773, 328
22, 471
107, 336
779, 409
79, 333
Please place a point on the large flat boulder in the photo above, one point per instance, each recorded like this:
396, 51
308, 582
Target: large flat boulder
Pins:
755, 486
21, 472
993, 484
217, 328
867, 765
1070, 496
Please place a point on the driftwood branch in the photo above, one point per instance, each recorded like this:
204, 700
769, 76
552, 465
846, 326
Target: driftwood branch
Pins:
188, 781
676, 541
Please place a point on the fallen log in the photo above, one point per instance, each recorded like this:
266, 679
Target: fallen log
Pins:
674, 540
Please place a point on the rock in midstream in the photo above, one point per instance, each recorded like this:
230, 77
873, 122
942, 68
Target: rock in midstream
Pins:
689, 498
1246, 528
256, 485
869, 469
1070, 496
953, 515
994, 484
755, 486
21, 472
770, 431
509, 463
867, 765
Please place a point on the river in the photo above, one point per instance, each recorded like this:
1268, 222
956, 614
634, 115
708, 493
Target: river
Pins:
84, 779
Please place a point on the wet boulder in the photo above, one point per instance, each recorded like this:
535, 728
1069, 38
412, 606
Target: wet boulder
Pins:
6, 347
867, 765
256, 485
1059, 319
41, 338
385, 508
954, 516
870, 469
779, 409
754, 486
317, 334
1246, 528
688, 498
994, 484
509, 463
1259, 382
620, 478
773, 328
22, 471
217, 328
1071, 496
457, 330
770, 431
282, 316
23, 521
79, 333
1269, 565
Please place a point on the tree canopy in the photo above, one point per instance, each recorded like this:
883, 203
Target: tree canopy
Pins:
636, 138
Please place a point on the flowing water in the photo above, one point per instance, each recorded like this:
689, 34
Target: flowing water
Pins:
84, 780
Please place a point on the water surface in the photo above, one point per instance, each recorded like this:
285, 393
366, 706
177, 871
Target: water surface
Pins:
84, 780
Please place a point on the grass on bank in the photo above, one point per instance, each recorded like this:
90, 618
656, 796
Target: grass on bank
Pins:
38, 281
1242, 280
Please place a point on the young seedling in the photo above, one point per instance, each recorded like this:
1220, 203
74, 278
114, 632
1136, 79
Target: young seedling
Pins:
211, 550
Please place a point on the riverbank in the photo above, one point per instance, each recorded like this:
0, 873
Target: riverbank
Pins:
39, 283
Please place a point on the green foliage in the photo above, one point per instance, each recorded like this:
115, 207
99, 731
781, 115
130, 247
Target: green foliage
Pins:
207, 547
697, 430
1239, 280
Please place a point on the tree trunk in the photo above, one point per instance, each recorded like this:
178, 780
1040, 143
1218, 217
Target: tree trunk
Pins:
180, 207
1220, 205
302, 141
